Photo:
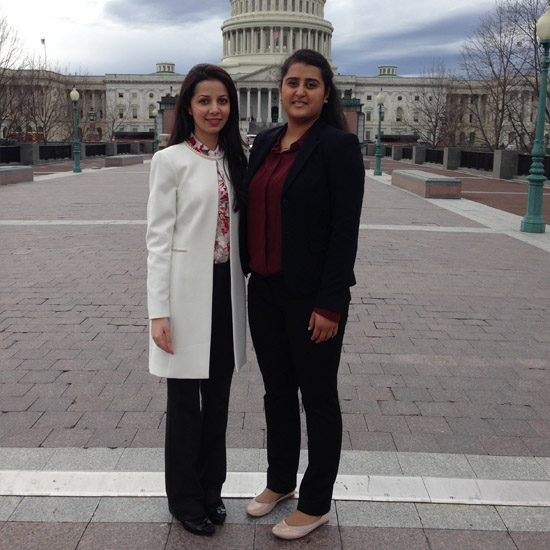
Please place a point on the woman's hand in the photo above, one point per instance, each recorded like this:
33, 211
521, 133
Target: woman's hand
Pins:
323, 329
160, 332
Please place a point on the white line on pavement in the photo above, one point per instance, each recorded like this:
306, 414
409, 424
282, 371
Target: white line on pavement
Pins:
437, 490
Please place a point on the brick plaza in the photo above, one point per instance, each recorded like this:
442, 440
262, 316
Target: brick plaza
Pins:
445, 371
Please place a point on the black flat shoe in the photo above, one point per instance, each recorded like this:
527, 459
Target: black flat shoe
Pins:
202, 526
217, 515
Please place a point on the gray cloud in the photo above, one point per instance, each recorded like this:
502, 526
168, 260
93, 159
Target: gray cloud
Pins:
146, 12
412, 50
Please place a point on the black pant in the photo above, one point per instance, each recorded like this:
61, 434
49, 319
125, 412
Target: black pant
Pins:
289, 361
196, 417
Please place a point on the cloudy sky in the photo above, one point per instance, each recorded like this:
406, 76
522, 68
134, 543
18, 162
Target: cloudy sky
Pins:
95, 37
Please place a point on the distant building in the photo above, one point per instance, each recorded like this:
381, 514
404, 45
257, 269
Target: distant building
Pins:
257, 37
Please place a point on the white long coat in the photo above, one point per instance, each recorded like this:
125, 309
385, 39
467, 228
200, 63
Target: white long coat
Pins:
182, 218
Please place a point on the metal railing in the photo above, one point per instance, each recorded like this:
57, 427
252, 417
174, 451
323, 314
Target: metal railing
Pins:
434, 156
123, 149
524, 165
10, 154
53, 152
480, 160
95, 149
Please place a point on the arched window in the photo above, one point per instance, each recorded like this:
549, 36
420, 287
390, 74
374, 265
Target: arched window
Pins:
399, 114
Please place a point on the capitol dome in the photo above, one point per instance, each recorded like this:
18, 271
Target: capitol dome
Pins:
262, 33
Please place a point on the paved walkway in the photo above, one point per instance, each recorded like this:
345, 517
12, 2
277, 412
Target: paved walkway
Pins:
445, 375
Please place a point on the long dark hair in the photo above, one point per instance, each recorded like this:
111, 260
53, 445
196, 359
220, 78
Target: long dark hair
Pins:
229, 137
332, 112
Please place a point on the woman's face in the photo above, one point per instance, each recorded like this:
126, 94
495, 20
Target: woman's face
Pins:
303, 93
210, 110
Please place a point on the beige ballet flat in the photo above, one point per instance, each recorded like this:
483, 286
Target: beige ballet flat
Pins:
291, 532
259, 509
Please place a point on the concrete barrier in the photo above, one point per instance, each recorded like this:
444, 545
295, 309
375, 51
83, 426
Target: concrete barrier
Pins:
426, 184
15, 174
123, 160
366, 163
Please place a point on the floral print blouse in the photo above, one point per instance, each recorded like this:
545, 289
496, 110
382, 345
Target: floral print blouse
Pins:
221, 245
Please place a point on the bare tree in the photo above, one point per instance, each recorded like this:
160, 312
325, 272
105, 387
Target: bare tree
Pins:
432, 115
523, 15
46, 106
12, 59
119, 113
500, 65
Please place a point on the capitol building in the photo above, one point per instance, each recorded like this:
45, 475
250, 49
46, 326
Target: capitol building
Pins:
256, 38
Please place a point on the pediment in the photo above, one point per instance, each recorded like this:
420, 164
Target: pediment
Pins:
266, 74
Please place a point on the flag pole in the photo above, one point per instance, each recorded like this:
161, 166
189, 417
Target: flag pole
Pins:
43, 42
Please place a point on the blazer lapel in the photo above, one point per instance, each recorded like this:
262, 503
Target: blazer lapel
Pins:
305, 151
261, 154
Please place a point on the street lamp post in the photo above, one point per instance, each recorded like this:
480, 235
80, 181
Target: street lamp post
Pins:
533, 221
75, 96
155, 138
380, 98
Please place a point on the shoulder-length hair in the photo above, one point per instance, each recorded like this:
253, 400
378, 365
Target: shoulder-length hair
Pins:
229, 138
332, 113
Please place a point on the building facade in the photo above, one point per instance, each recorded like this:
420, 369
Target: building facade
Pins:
256, 38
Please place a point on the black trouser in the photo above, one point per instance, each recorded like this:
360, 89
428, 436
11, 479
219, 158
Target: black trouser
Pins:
289, 361
196, 417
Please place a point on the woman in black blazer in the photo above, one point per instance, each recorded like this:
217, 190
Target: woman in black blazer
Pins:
299, 240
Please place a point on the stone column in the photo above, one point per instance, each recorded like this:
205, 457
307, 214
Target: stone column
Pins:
301, 44
269, 99
272, 39
259, 117
262, 40
248, 104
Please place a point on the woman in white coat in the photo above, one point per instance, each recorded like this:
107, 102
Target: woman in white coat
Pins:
195, 290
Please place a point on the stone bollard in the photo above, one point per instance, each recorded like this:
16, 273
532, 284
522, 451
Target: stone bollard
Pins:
419, 155
396, 152
505, 164
451, 158
110, 149
371, 149
134, 148
30, 153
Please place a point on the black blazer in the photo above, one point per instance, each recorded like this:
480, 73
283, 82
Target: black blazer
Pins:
320, 210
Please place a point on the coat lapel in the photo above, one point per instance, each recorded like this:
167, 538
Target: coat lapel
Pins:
305, 151
260, 154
